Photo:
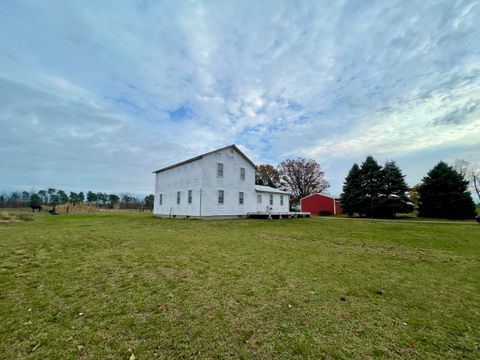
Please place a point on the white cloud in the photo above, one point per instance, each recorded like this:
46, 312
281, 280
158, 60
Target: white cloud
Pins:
333, 81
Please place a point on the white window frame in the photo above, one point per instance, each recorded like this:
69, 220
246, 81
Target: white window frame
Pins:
190, 196
220, 170
241, 198
179, 197
221, 196
259, 198
271, 199
242, 174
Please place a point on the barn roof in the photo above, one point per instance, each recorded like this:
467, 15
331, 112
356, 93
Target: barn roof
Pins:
264, 188
198, 157
319, 194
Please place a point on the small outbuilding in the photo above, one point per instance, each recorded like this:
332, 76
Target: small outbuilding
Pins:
321, 203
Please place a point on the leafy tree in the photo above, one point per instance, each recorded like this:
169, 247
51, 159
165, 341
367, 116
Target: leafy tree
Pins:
267, 175
444, 194
35, 200
114, 200
351, 197
43, 195
413, 194
102, 198
371, 184
91, 197
392, 198
14, 200
54, 199
62, 197
73, 197
25, 197
51, 192
81, 197
302, 177
148, 201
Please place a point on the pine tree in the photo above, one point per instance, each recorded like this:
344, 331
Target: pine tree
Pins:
371, 184
444, 194
392, 197
352, 194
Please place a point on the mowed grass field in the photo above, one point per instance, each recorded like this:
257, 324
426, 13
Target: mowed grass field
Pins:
106, 286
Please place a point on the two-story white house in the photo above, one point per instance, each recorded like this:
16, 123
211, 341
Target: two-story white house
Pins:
220, 183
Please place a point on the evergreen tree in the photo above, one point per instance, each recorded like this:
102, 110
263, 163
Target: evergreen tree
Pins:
392, 197
444, 194
351, 197
81, 197
371, 184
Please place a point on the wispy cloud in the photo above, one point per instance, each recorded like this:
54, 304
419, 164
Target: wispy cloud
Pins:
98, 95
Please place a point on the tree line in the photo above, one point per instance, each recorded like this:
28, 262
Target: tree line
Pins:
53, 197
381, 191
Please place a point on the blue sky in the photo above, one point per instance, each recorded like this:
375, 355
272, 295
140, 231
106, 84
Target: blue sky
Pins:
98, 94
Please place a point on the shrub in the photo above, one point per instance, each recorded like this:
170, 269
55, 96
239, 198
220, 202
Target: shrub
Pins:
324, 213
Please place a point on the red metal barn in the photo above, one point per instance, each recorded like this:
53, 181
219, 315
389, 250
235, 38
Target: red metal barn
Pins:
316, 203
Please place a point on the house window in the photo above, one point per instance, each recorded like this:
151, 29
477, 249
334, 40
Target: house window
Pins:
189, 196
240, 197
160, 199
242, 174
219, 170
178, 197
220, 196
259, 199
281, 200
271, 199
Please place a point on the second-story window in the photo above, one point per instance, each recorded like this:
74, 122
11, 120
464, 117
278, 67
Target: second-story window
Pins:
221, 195
240, 197
189, 196
178, 197
219, 170
242, 174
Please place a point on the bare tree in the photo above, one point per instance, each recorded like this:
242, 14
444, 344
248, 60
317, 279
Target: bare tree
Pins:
470, 172
302, 177
475, 178
462, 167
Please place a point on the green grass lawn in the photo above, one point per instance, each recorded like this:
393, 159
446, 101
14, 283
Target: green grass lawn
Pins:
104, 286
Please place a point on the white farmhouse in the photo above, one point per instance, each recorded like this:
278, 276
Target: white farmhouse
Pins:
220, 183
